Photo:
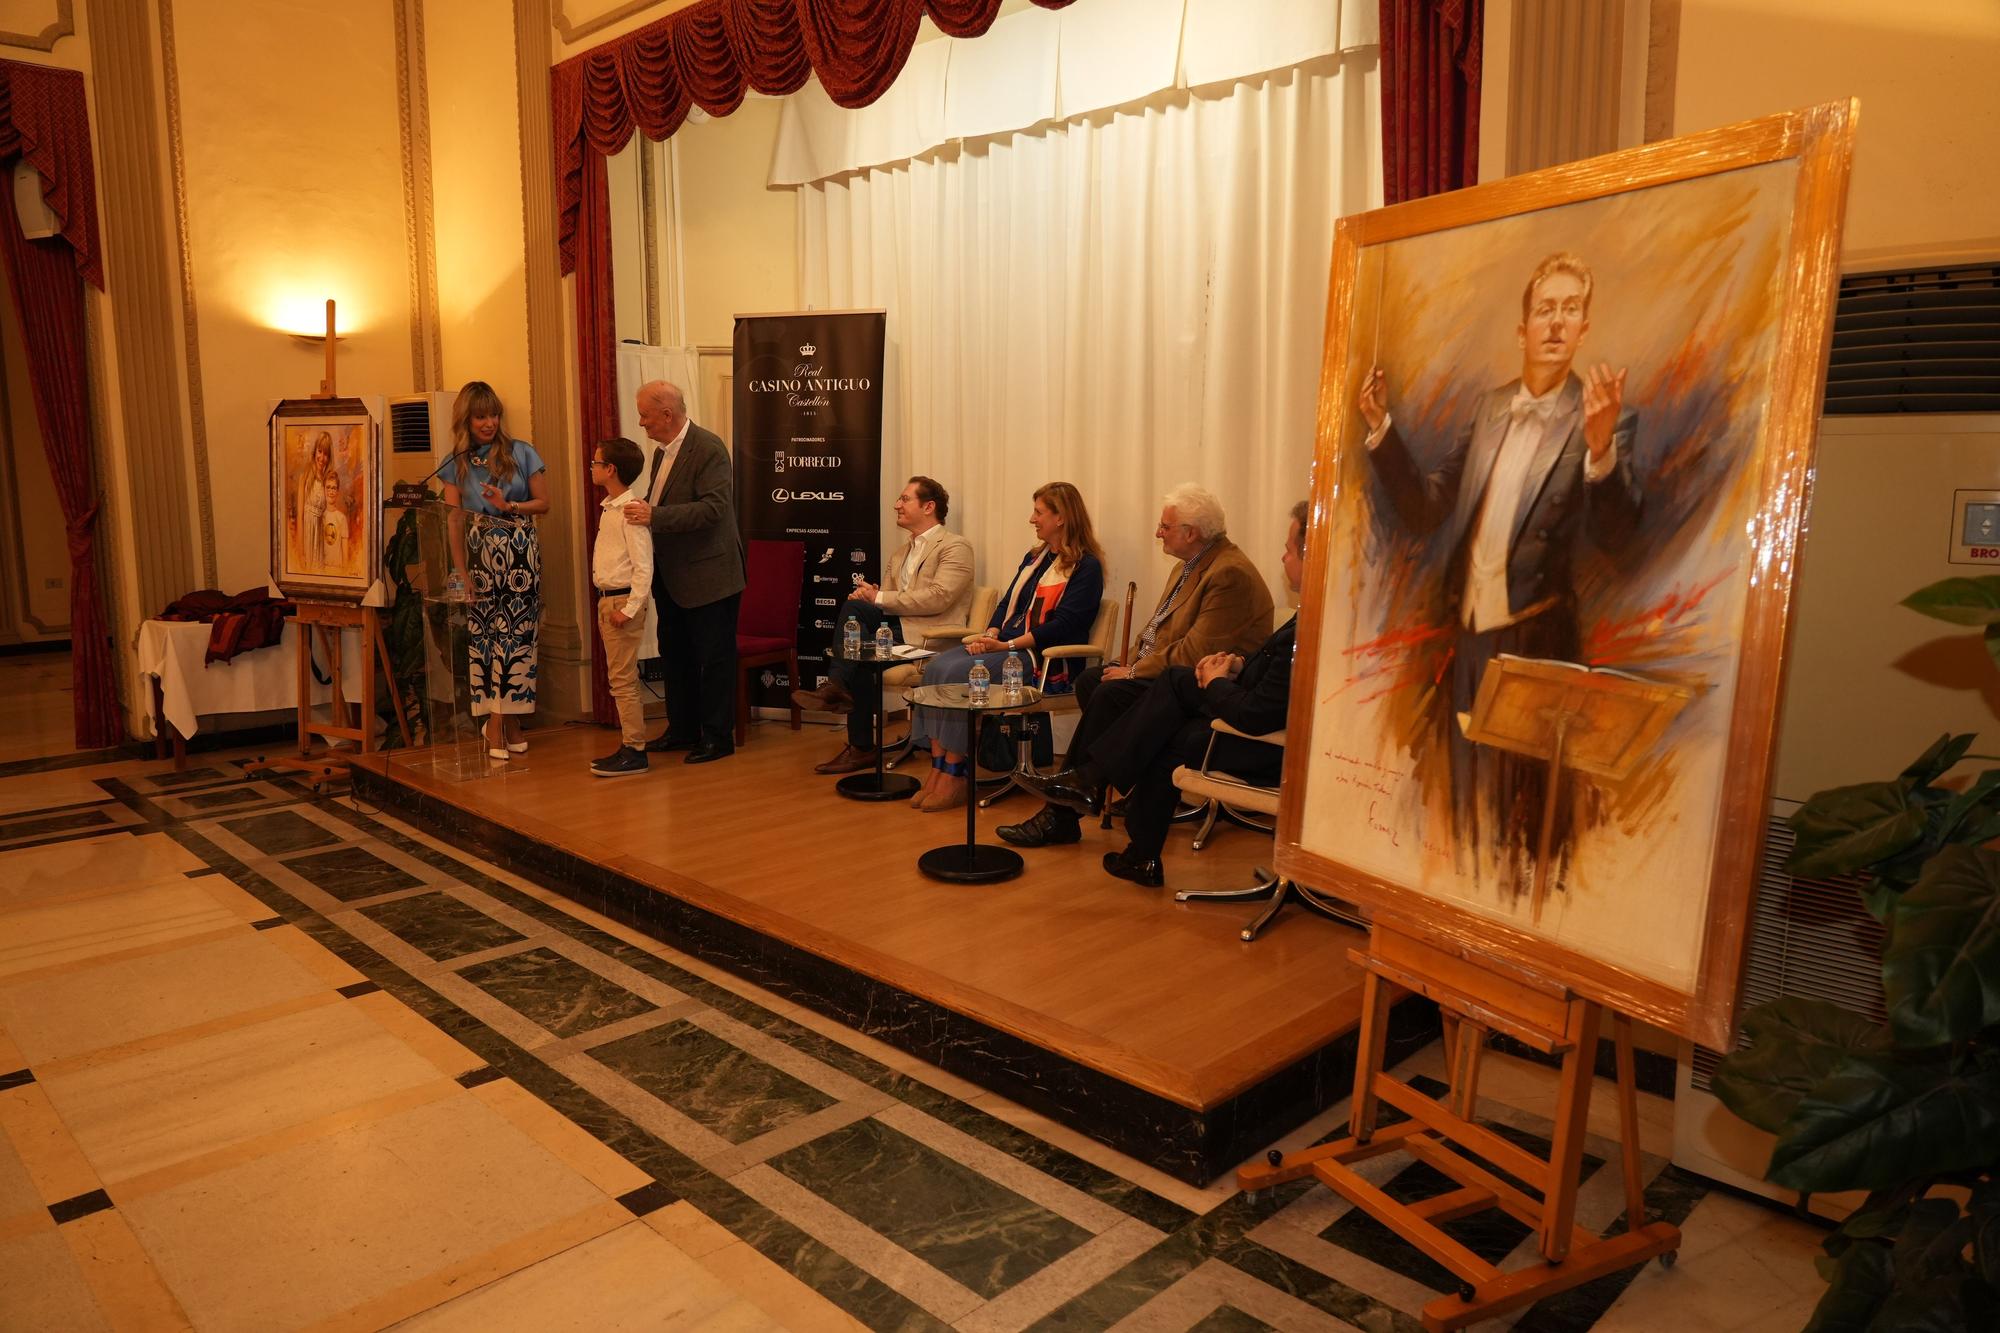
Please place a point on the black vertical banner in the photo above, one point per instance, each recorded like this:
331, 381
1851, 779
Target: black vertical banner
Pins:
808, 452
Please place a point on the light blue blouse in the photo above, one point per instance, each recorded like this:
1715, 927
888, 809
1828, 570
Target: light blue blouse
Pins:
526, 464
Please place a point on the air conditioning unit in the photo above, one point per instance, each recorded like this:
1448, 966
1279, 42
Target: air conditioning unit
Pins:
1810, 938
416, 439
1869, 685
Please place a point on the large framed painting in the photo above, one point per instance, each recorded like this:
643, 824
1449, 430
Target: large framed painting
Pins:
326, 499
1565, 440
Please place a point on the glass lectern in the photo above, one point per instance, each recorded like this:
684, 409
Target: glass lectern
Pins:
448, 544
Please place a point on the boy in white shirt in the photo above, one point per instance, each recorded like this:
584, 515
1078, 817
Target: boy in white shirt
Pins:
621, 568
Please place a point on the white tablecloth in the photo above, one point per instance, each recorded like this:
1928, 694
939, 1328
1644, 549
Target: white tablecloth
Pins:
254, 682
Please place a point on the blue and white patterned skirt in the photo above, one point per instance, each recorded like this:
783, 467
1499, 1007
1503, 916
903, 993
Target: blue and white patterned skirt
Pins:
505, 616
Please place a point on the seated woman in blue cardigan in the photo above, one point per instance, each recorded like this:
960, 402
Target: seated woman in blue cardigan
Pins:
1052, 601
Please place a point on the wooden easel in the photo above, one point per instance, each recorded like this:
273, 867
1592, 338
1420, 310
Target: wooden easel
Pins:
1478, 998
325, 622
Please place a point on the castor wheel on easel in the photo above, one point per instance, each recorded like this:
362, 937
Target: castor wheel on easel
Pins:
1275, 1158
1465, 1292
1668, 1259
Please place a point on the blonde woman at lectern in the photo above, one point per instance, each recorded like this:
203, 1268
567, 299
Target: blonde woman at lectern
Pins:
495, 477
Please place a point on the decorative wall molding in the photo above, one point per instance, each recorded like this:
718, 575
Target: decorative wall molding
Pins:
1663, 58
1563, 103
137, 269
566, 691
113, 558
572, 32
190, 325
413, 112
61, 26
649, 226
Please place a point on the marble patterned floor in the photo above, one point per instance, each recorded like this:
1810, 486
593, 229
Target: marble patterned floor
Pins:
269, 1062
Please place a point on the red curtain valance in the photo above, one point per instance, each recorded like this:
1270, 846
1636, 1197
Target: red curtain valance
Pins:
710, 54
42, 118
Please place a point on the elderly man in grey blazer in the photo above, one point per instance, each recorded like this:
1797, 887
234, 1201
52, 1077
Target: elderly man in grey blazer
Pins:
698, 577
926, 583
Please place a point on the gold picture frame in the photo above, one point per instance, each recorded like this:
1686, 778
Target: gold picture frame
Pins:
1702, 271
326, 499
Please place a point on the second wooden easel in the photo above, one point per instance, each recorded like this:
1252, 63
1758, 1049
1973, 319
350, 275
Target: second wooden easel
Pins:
1478, 998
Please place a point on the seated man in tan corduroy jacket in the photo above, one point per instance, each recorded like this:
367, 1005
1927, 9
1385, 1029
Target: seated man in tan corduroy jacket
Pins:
1214, 601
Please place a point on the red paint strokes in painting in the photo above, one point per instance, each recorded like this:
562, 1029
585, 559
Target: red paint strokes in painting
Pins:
1643, 634
1391, 661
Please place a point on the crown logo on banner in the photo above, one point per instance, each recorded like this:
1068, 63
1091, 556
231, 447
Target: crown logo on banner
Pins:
809, 350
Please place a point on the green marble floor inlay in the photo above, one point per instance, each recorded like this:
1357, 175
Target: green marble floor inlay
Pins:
441, 926
280, 831
353, 873
720, 1087
1229, 1319
190, 778
560, 997
972, 1228
62, 823
213, 800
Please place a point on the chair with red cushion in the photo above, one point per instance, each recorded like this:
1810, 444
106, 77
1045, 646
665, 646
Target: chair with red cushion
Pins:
767, 622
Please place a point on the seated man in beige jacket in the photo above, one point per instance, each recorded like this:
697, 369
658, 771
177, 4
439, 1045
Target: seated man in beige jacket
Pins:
926, 583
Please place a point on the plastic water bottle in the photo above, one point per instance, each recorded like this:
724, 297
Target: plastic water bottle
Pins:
850, 639
885, 642
1010, 679
977, 683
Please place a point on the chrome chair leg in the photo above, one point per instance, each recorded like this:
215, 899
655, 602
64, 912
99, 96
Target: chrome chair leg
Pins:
1267, 883
1207, 829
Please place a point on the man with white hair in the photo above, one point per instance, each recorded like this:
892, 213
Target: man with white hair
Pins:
698, 576
1215, 603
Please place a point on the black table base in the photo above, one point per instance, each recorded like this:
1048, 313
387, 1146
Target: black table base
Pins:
977, 863
877, 786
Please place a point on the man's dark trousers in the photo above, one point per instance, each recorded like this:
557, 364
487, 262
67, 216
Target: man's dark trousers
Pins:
1165, 726
698, 654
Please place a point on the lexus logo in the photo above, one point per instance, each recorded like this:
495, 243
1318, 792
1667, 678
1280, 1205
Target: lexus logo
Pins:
782, 495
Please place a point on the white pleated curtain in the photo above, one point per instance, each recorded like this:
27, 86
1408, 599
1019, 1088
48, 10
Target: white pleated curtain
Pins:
1126, 300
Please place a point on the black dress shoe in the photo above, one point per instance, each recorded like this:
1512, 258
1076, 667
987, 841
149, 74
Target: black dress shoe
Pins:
667, 741
1078, 789
706, 753
1050, 826
1146, 874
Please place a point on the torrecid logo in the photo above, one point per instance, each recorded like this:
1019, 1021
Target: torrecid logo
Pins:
781, 495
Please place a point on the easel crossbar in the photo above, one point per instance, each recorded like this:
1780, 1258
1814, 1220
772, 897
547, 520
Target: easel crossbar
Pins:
1517, 1162
1509, 1200
1411, 1226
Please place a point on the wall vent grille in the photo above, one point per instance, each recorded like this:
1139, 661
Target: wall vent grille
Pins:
1924, 340
1808, 937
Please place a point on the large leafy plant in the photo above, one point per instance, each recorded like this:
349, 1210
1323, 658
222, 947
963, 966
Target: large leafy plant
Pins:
1908, 1109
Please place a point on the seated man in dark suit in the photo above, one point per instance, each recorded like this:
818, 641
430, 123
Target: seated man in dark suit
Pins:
1138, 749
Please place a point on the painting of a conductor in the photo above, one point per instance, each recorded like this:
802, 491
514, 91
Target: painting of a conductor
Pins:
1543, 468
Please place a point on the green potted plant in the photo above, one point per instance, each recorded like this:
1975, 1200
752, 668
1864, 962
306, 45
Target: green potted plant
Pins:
1907, 1110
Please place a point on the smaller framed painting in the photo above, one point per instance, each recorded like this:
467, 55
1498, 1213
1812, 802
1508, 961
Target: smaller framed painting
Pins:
326, 499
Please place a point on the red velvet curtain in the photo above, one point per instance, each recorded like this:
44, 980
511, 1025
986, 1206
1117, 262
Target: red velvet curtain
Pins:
707, 55
1430, 96
43, 119
597, 376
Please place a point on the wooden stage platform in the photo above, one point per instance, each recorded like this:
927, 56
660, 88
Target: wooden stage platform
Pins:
1142, 1022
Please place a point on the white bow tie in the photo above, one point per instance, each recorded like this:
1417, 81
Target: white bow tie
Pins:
1526, 405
